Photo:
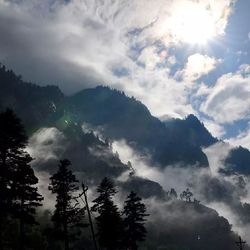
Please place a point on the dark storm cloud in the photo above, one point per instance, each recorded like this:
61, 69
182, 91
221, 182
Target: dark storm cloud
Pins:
32, 47
82, 43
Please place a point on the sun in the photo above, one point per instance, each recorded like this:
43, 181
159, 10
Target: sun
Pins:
193, 23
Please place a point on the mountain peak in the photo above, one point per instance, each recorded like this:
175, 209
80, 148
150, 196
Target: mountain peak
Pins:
192, 129
192, 118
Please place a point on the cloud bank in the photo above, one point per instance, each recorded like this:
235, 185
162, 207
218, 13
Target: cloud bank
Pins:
129, 45
229, 100
225, 194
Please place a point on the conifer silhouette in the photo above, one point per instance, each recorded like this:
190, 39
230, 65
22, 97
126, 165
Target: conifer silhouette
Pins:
109, 221
187, 195
172, 194
134, 221
26, 196
68, 216
18, 195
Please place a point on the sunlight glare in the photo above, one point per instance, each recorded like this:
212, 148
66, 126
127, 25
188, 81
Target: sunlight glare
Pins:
193, 23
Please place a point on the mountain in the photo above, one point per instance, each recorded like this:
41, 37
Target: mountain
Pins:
84, 126
120, 117
238, 161
190, 226
116, 116
194, 132
37, 106
109, 109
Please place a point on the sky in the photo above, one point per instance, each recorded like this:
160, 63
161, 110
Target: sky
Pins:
175, 56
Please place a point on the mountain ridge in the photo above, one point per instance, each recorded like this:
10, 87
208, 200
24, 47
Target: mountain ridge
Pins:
171, 142
120, 117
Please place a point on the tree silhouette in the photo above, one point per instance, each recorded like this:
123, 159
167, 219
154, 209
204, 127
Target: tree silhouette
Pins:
131, 169
172, 194
135, 213
26, 196
18, 196
109, 221
68, 215
186, 194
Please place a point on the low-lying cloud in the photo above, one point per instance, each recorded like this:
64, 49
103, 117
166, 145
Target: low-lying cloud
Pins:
225, 194
46, 144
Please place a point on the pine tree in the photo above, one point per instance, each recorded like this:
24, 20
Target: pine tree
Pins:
186, 194
172, 194
134, 221
18, 197
26, 196
109, 221
68, 215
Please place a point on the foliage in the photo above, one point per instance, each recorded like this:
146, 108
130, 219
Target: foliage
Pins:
135, 213
68, 215
18, 193
109, 221
186, 195
172, 194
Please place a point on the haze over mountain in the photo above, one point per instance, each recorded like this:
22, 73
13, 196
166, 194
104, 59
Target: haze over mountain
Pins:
147, 99
83, 127
112, 113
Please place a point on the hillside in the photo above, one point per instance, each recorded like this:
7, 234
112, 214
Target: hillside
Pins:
116, 116
121, 117
82, 128
194, 132
190, 226
37, 106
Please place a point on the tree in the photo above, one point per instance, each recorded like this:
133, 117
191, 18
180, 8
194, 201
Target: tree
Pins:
109, 221
68, 215
131, 169
134, 221
187, 194
172, 194
26, 196
18, 196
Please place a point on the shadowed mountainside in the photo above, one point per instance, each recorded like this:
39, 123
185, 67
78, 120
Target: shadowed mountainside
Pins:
194, 132
190, 226
36, 106
116, 116
175, 224
121, 117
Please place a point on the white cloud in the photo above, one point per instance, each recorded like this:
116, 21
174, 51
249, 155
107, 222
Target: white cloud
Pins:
215, 129
234, 219
169, 177
242, 139
161, 94
150, 58
172, 60
229, 99
204, 183
44, 181
199, 181
197, 66
79, 44
46, 144
244, 69
216, 155
202, 90
139, 162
